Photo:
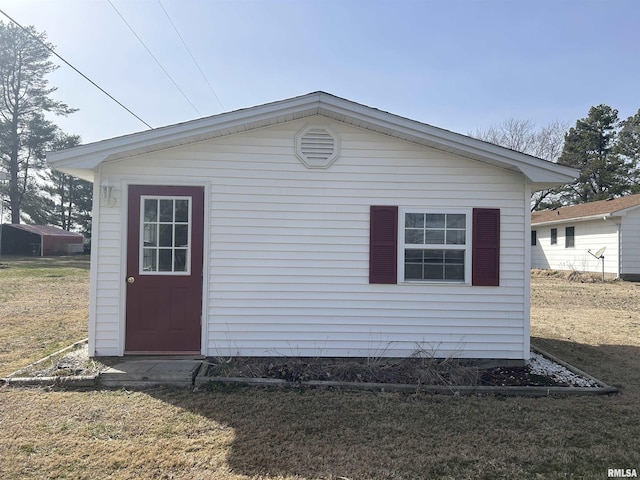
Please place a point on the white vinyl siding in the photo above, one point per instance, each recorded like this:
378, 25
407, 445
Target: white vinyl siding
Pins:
288, 251
107, 275
588, 235
630, 242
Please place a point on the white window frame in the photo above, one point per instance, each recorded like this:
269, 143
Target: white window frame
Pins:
141, 270
466, 247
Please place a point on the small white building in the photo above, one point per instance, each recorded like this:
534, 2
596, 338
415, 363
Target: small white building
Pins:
570, 238
313, 226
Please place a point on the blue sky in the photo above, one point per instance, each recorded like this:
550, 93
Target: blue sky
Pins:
459, 65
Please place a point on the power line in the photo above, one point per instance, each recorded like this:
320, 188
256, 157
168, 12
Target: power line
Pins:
191, 55
74, 68
154, 57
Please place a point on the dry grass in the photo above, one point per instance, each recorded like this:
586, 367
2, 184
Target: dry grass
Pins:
234, 433
43, 307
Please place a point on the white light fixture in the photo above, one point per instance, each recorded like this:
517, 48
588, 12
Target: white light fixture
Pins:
106, 191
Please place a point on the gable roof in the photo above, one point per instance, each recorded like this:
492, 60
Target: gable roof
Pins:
587, 211
83, 161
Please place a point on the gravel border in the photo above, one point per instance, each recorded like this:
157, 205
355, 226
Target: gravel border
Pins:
16, 379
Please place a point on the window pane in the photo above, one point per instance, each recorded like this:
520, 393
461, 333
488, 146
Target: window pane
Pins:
456, 221
434, 264
180, 260
414, 237
166, 235
433, 272
454, 272
433, 256
150, 210
166, 210
149, 260
165, 260
414, 220
150, 235
455, 237
454, 256
413, 271
434, 237
182, 235
413, 256
182, 211
435, 220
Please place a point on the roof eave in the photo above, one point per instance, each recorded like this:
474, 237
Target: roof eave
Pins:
89, 156
601, 216
85, 159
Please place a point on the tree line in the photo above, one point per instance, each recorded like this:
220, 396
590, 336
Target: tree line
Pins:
605, 149
33, 193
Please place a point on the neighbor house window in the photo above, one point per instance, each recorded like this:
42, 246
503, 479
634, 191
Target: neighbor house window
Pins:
569, 235
434, 246
554, 236
534, 238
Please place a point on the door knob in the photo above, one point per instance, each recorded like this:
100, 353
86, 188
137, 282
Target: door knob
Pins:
130, 279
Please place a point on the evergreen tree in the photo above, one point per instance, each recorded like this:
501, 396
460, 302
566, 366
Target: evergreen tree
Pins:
628, 147
24, 99
591, 147
70, 198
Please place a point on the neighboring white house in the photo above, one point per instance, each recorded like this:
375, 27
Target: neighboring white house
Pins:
562, 238
312, 226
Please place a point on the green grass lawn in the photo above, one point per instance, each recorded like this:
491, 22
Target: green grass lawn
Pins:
250, 433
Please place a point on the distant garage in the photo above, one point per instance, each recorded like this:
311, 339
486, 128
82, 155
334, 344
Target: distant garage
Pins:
39, 240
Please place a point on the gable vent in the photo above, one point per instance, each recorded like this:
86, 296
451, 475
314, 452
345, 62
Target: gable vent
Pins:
317, 146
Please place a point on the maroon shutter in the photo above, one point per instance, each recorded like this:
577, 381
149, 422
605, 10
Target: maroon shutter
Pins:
486, 247
383, 245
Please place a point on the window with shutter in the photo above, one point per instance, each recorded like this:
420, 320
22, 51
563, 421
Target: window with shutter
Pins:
434, 246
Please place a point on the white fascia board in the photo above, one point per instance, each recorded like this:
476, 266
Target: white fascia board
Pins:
89, 156
601, 216
538, 171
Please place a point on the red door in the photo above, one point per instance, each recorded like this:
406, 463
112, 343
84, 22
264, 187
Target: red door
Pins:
164, 269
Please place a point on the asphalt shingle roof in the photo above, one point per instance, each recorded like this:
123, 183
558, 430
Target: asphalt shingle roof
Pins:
601, 207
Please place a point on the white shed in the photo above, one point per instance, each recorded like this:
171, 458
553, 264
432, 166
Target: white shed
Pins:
563, 238
313, 226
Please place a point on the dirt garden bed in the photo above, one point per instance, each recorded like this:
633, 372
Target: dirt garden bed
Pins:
72, 367
540, 371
